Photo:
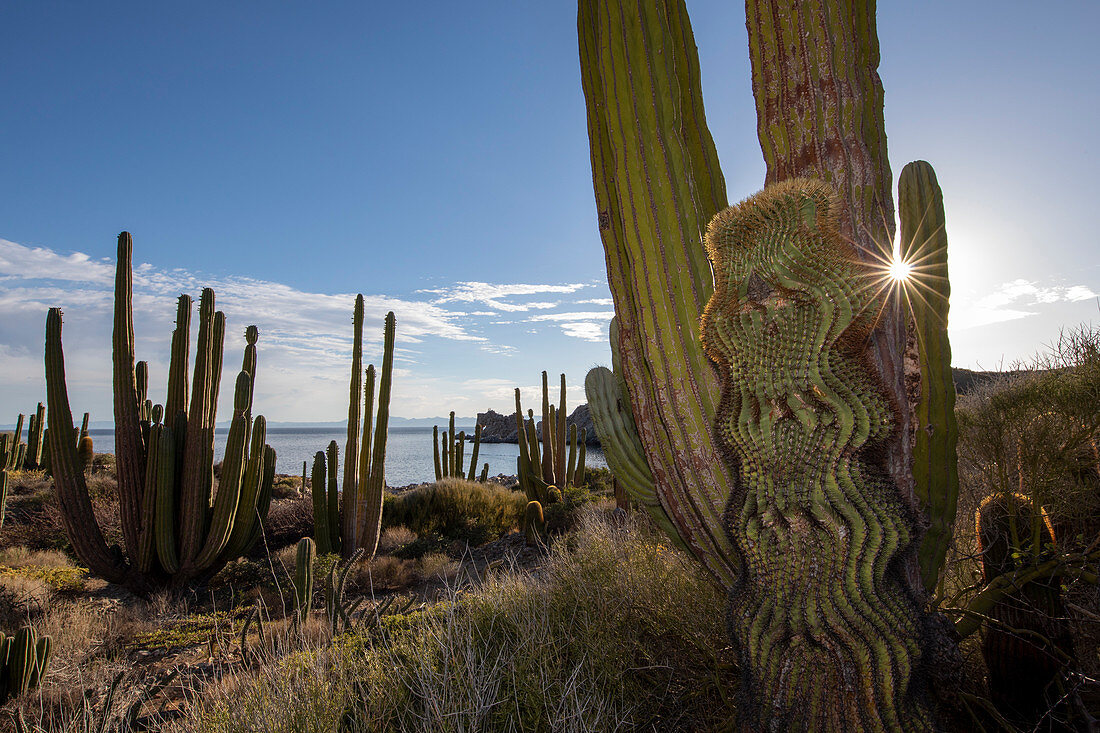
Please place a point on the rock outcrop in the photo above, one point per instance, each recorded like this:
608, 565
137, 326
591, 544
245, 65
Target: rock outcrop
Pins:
497, 428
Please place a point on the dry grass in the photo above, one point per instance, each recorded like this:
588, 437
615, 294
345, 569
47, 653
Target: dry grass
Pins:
394, 538
617, 631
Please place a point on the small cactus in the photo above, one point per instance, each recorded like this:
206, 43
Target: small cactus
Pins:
24, 661
85, 453
3, 495
534, 524
303, 578
555, 464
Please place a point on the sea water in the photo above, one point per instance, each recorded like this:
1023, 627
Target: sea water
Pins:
408, 451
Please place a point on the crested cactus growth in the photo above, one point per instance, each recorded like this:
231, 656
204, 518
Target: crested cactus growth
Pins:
554, 464
1028, 647
356, 521
24, 661
935, 430
818, 523
449, 462
177, 531
303, 578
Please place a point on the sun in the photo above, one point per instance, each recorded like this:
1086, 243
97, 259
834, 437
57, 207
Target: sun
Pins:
899, 270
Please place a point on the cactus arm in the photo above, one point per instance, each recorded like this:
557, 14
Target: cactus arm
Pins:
43, 653
571, 464
365, 455
370, 518
333, 498
474, 452
935, 459
484, 478
178, 366
303, 572
145, 554
352, 448
547, 434
250, 508
229, 496
320, 504
165, 529
130, 450
579, 476
657, 182
561, 475
3, 495
72, 491
460, 449
198, 460
435, 453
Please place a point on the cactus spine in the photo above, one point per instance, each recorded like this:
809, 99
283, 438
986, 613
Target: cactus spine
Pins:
24, 661
364, 456
176, 530
303, 578
935, 459
558, 465
448, 453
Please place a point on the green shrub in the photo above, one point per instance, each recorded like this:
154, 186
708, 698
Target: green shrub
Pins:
457, 509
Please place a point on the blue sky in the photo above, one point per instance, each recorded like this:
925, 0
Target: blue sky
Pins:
434, 157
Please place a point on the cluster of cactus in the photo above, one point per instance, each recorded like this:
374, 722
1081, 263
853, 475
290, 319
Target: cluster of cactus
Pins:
448, 453
176, 530
16, 455
24, 661
351, 518
545, 473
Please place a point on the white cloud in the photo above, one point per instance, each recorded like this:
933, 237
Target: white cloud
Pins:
1011, 301
584, 325
596, 301
491, 295
39, 263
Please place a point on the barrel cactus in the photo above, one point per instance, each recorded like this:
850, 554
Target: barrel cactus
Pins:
177, 531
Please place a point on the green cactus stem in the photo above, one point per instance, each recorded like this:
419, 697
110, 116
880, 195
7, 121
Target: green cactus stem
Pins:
818, 524
4, 481
449, 452
935, 432
177, 531
303, 578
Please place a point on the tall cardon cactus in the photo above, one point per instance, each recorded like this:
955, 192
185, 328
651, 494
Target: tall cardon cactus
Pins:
354, 520
177, 530
657, 184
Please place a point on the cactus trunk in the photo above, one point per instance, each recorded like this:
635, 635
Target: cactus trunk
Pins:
657, 182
